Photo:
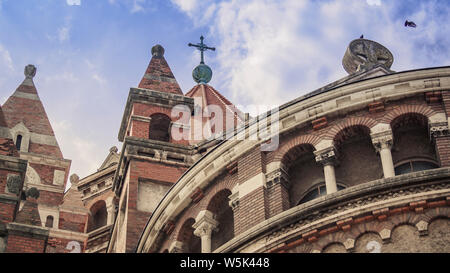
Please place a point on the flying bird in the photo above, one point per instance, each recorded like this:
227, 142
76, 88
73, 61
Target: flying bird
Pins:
410, 24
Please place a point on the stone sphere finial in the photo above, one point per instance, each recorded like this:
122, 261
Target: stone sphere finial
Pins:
113, 149
363, 54
158, 51
202, 74
74, 179
33, 193
30, 71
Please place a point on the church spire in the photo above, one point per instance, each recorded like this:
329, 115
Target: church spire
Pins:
158, 76
25, 115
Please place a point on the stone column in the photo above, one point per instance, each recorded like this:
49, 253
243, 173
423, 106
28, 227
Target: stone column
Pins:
327, 157
383, 143
204, 225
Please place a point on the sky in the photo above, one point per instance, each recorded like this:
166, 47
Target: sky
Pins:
88, 53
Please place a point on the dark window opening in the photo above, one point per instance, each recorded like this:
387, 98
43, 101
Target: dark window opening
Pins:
98, 217
159, 127
414, 166
18, 142
49, 221
316, 192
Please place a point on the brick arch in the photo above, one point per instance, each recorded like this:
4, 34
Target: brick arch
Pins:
216, 201
183, 233
322, 249
435, 214
186, 236
295, 142
408, 109
349, 122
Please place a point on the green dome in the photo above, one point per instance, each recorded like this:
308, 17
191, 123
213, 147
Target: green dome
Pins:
202, 73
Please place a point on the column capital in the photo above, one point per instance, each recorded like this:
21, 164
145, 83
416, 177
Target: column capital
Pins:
382, 140
439, 129
327, 156
205, 224
279, 176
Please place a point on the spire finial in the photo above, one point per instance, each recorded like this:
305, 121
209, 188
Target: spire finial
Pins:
202, 73
158, 51
30, 71
202, 47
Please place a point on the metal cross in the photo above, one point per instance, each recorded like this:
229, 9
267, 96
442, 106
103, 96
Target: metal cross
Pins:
202, 47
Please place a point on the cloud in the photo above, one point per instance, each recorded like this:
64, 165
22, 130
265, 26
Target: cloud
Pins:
374, 2
269, 52
63, 33
137, 6
73, 2
5, 59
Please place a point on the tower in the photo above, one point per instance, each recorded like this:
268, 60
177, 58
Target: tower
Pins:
154, 152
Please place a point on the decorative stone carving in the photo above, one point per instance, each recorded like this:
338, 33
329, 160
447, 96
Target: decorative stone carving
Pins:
326, 156
439, 129
364, 54
349, 244
278, 176
383, 140
385, 235
14, 183
422, 227
205, 224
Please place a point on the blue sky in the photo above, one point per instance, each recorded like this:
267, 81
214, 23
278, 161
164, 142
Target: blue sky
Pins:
90, 52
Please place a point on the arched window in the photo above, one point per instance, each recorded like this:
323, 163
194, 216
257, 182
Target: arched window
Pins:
219, 206
416, 165
316, 192
159, 127
49, 221
18, 142
98, 216
413, 151
191, 243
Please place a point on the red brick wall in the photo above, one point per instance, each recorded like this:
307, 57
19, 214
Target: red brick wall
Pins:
45, 172
45, 150
50, 198
443, 147
7, 211
136, 223
277, 199
20, 244
72, 221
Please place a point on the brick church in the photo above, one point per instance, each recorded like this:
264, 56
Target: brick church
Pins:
359, 165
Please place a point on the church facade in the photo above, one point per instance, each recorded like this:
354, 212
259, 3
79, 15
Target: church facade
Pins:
359, 165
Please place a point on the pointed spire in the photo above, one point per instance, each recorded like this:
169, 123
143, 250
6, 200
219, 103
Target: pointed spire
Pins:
24, 109
158, 76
